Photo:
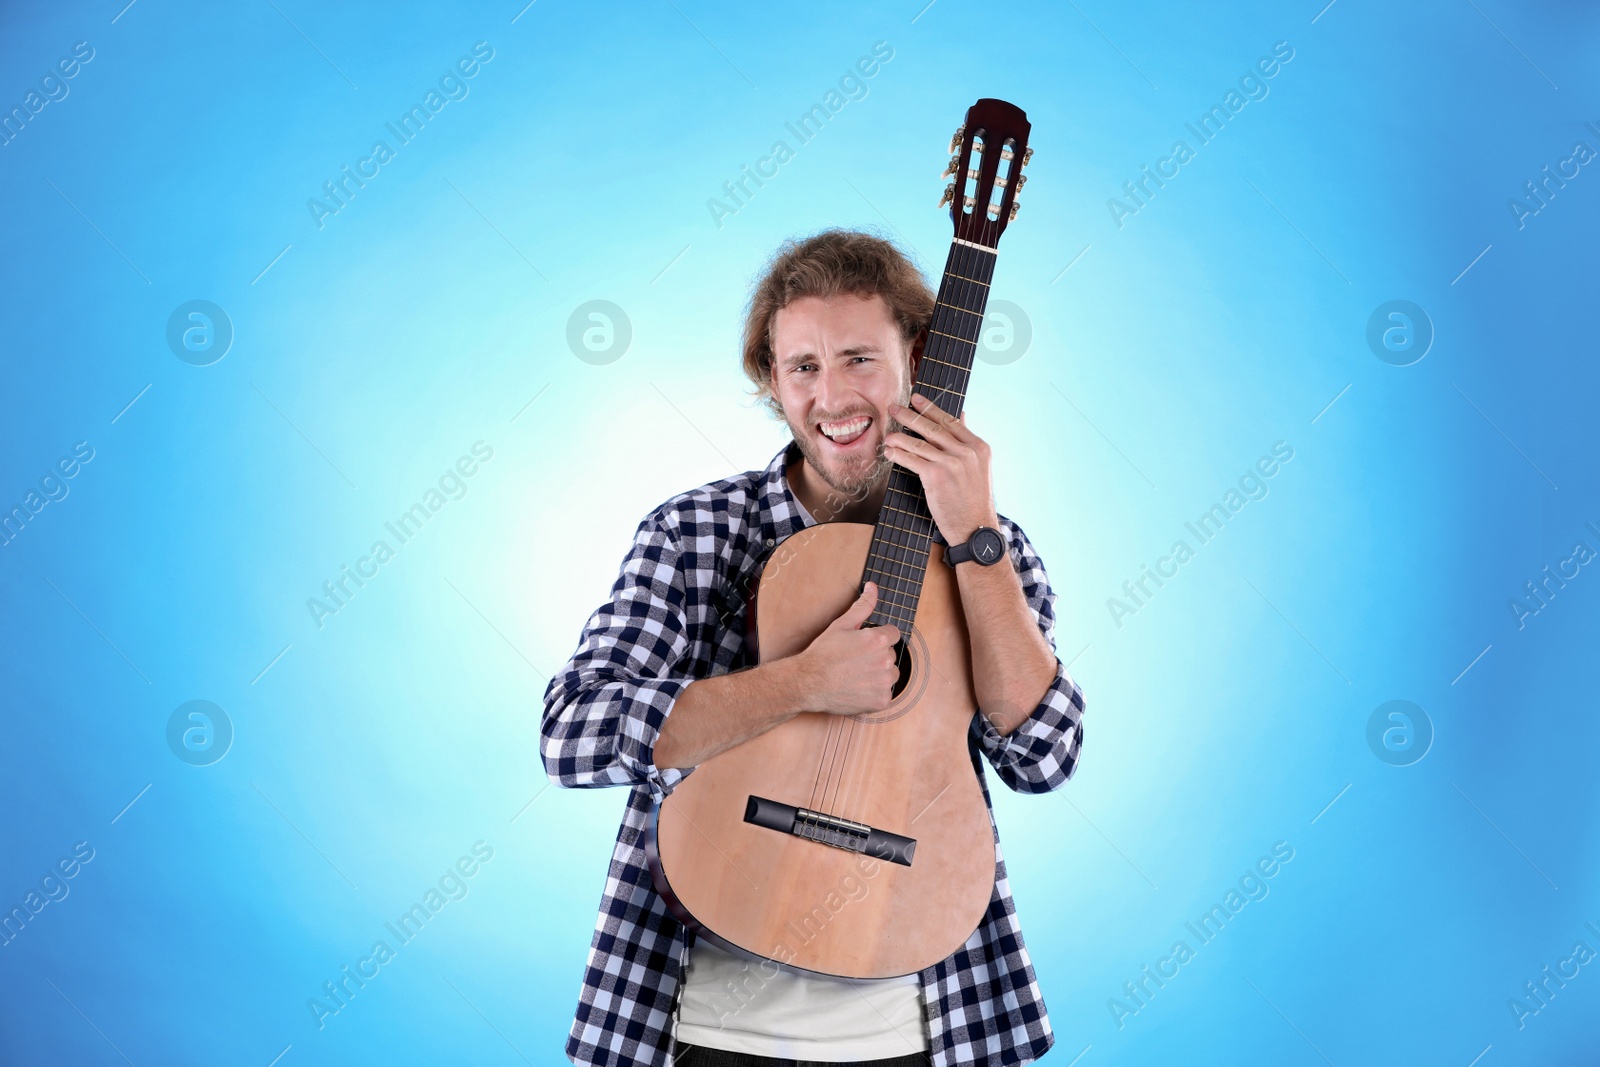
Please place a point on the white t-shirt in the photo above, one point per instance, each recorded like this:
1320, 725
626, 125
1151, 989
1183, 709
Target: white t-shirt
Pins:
765, 1009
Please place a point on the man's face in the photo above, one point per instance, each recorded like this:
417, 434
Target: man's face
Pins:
838, 363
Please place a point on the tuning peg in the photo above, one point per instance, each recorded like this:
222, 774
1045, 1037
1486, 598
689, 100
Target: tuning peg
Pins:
949, 195
955, 139
1027, 156
950, 171
1016, 206
1022, 179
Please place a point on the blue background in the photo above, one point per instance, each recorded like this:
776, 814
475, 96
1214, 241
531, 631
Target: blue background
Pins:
1229, 712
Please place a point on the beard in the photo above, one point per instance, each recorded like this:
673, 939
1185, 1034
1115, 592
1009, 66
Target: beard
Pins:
854, 478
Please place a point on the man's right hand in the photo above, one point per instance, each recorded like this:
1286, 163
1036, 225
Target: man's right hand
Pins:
849, 670
844, 671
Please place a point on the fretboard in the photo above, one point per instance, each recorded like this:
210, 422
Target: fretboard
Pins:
898, 559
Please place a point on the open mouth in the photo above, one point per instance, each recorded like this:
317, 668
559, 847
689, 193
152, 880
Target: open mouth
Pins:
846, 432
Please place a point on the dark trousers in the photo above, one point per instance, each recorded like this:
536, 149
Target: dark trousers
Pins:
697, 1056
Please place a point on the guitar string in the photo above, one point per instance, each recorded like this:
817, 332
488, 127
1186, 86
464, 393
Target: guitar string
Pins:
816, 783
945, 377
908, 547
965, 264
941, 376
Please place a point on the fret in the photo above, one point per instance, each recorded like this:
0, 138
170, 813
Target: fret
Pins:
950, 326
964, 295
953, 307
902, 567
952, 406
938, 388
981, 274
980, 271
909, 571
913, 561
909, 486
912, 568
954, 337
914, 515
968, 288
920, 523
922, 528
907, 577
973, 305
936, 352
901, 614
958, 326
907, 543
904, 599
897, 611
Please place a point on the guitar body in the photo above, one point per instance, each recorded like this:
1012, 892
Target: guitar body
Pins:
906, 771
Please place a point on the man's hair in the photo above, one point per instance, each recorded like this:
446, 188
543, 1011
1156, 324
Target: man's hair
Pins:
825, 265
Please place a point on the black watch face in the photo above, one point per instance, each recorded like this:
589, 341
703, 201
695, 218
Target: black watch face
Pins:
987, 546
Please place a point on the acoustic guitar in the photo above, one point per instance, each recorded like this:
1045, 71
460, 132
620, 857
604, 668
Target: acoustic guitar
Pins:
860, 846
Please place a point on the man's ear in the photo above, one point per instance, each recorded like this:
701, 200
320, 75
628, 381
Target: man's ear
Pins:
917, 346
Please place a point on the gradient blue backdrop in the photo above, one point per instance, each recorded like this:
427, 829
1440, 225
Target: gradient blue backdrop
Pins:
373, 747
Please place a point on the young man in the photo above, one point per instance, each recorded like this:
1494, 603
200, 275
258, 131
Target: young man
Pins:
661, 682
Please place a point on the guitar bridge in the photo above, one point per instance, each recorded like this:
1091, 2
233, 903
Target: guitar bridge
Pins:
829, 830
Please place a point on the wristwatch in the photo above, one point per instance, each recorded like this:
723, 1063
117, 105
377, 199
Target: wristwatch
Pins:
985, 547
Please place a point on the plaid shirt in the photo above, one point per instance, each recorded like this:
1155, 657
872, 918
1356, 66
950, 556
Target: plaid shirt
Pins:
676, 614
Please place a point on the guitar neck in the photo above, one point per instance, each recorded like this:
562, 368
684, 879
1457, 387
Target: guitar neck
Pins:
902, 538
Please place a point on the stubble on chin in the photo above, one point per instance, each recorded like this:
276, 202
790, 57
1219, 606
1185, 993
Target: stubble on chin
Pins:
855, 485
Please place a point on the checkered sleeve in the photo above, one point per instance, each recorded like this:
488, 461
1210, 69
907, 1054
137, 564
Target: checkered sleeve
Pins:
1042, 752
605, 708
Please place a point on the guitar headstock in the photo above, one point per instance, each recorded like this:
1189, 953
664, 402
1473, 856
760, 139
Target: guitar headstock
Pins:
988, 153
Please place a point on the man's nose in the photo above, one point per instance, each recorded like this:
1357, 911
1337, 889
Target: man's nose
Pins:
831, 389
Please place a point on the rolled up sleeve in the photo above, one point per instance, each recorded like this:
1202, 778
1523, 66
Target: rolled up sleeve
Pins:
605, 708
1042, 752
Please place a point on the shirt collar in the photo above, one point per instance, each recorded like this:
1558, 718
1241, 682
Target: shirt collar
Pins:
782, 512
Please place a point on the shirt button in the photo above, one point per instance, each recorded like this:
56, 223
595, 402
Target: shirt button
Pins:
770, 541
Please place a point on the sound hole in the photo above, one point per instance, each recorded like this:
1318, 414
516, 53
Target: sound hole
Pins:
902, 657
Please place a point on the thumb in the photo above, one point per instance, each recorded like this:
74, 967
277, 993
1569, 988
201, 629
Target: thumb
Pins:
857, 613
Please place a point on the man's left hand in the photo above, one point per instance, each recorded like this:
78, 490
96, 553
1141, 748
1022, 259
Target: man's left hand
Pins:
953, 463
